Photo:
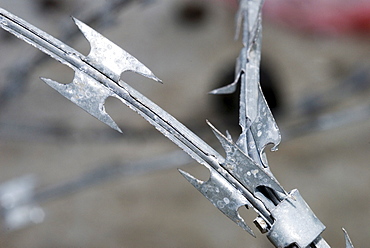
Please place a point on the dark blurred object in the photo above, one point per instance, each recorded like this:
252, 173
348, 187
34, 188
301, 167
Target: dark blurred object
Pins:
50, 5
191, 13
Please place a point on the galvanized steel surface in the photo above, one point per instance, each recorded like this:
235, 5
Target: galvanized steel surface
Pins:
190, 135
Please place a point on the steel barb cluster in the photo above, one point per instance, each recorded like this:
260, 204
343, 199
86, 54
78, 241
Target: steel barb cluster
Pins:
243, 177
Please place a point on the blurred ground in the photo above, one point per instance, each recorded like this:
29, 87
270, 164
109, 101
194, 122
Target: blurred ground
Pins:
43, 134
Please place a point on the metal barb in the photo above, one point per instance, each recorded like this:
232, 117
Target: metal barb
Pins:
347, 239
223, 196
255, 118
110, 59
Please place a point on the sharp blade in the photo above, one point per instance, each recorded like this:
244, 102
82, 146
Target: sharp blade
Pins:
242, 167
222, 195
109, 58
348, 240
88, 94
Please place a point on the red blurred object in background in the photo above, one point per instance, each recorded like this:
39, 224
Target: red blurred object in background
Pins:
330, 17
321, 16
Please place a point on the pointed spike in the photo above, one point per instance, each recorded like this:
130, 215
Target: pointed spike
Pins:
225, 142
229, 137
222, 195
88, 94
195, 182
264, 126
240, 68
228, 89
348, 240
214, 129
109, 58
241, 166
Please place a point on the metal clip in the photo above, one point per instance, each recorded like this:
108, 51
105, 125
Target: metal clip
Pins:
295, 223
